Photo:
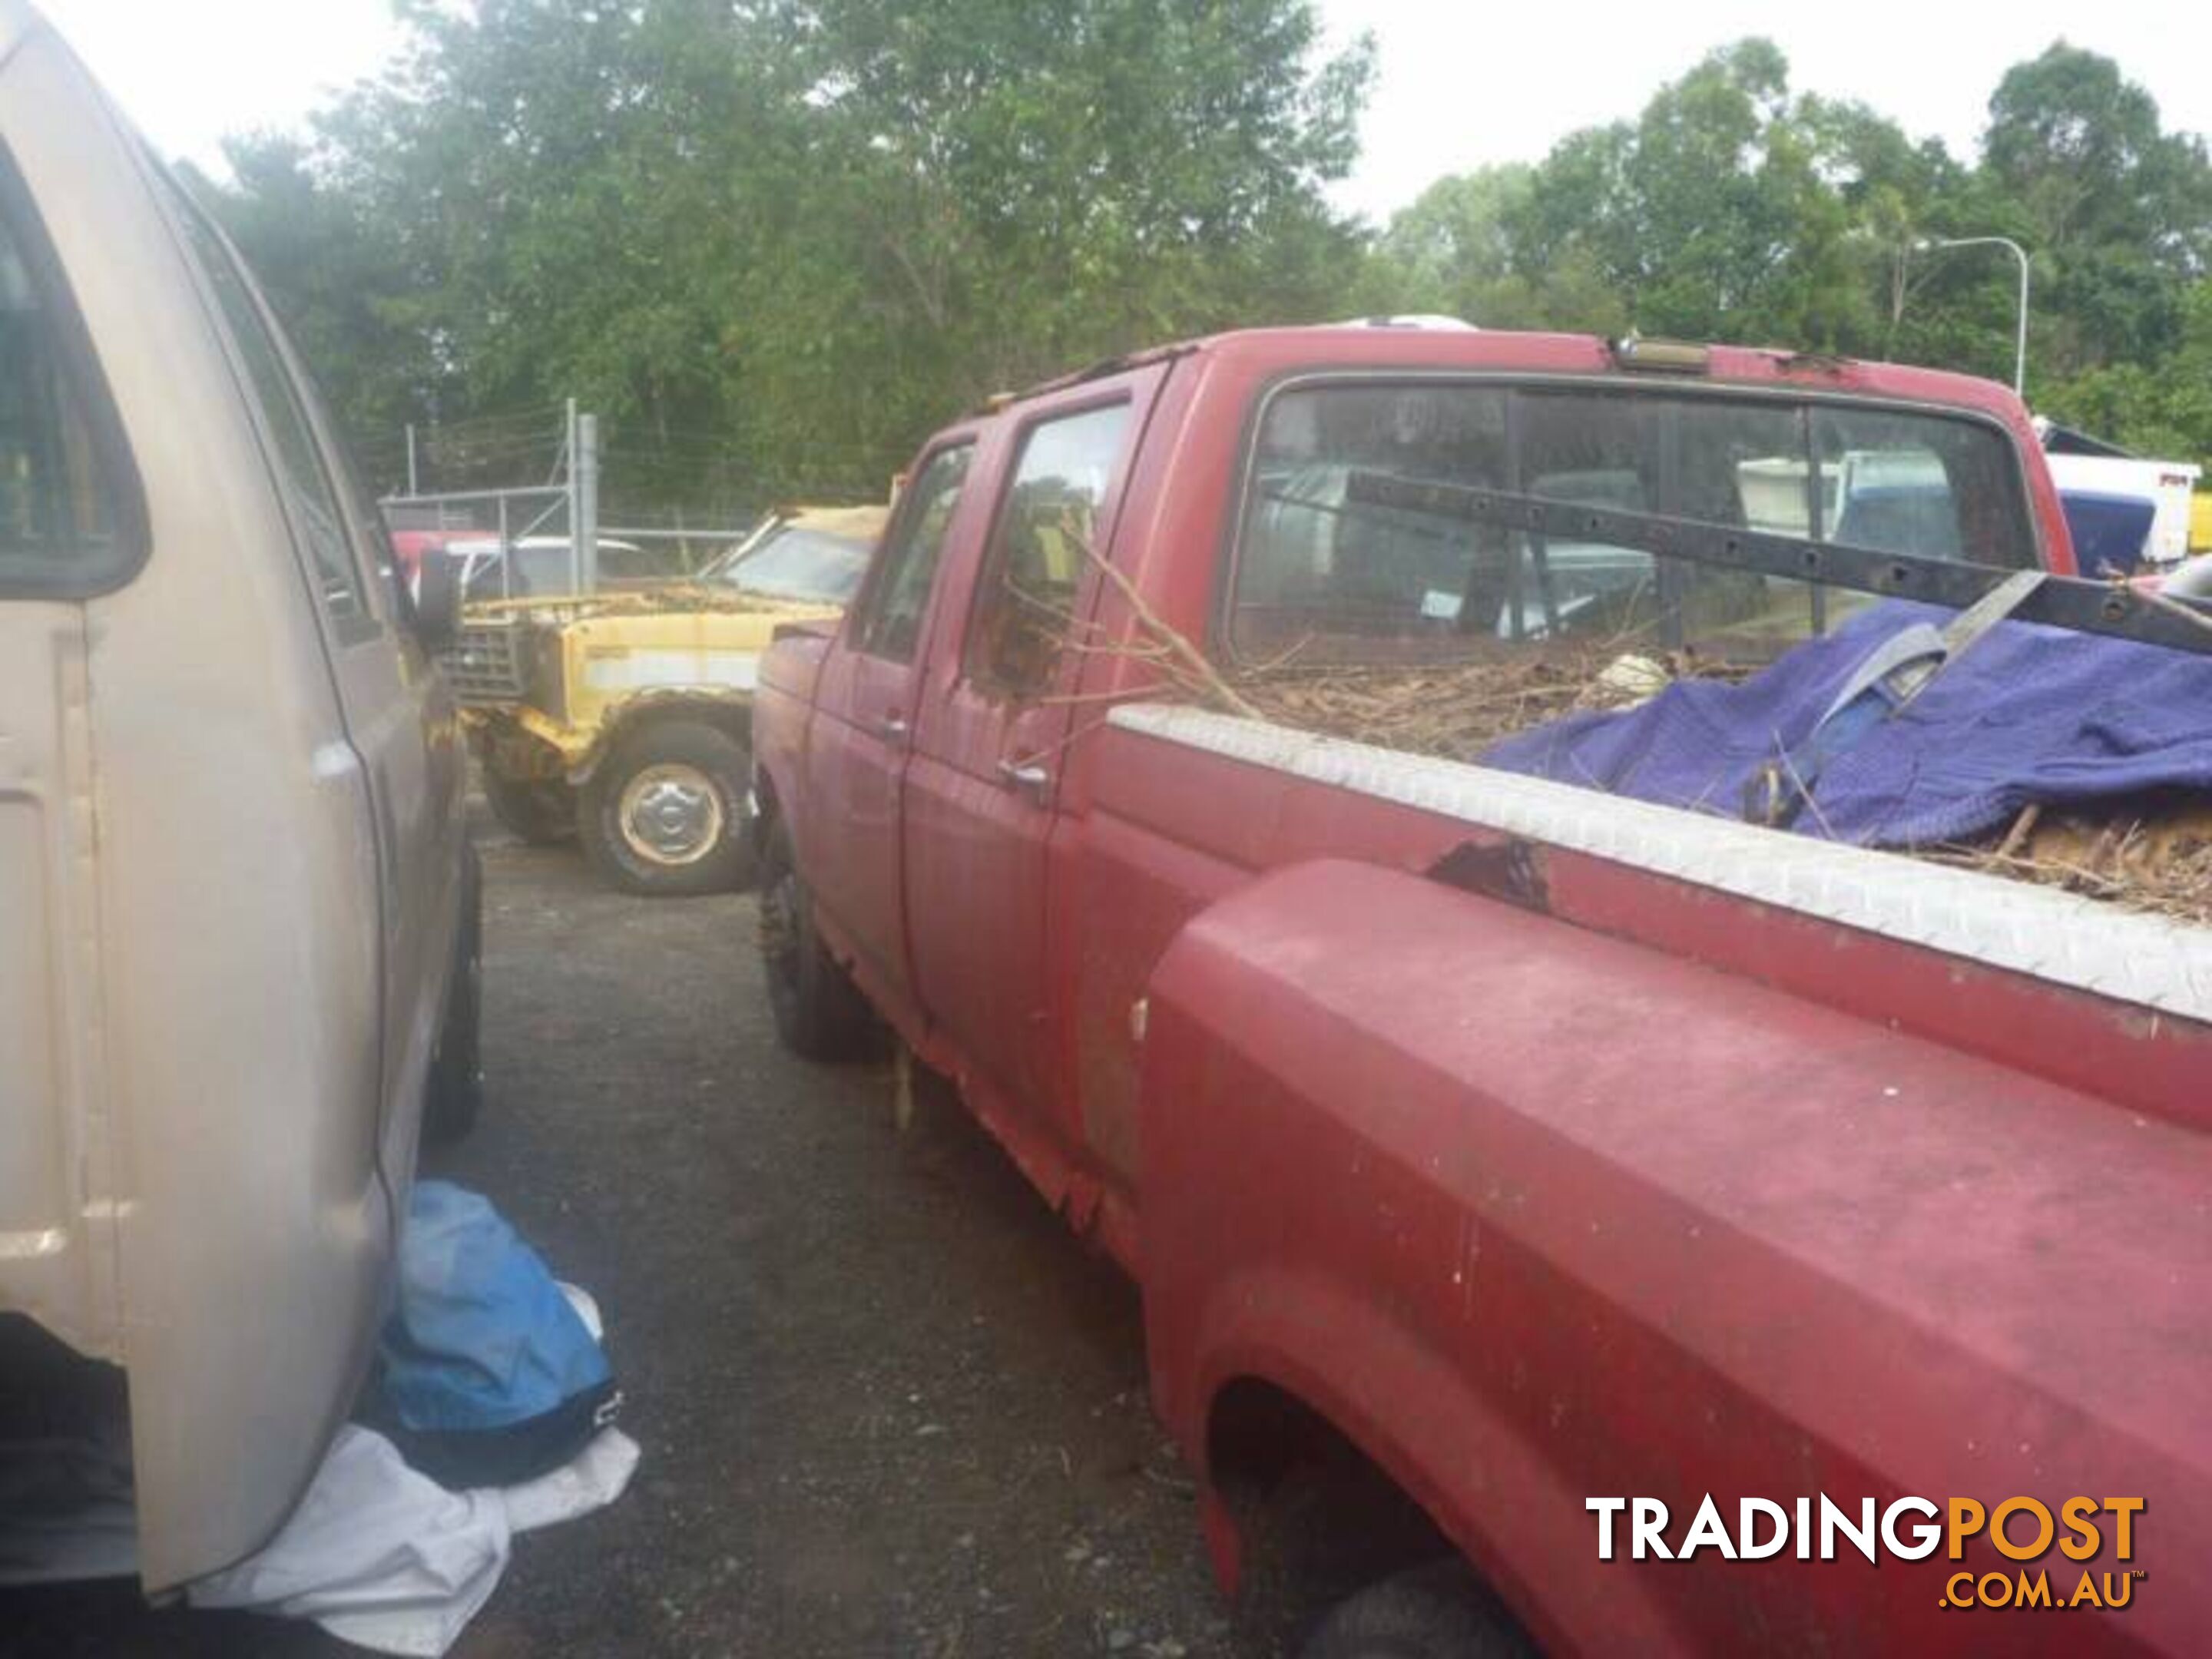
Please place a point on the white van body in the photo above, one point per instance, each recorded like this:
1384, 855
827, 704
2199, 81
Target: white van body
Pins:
2167, 485
232, 847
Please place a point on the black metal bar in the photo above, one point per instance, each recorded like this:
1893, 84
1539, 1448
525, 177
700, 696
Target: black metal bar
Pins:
2086, 607
1816, 516
1540, 551
1672, 581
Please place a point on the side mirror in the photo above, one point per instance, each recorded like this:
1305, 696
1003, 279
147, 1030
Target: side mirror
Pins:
438, 601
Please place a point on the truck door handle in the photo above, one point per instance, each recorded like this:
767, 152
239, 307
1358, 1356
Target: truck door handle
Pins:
1028, 776
893, 728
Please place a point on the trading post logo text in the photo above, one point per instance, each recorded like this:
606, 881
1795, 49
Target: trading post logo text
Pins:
2019, 1528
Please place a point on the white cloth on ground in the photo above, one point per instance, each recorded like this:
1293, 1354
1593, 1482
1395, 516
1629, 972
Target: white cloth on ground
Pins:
386, 1558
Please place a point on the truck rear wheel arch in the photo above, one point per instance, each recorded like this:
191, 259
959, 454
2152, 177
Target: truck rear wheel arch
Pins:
1319, 1523
1315, 1519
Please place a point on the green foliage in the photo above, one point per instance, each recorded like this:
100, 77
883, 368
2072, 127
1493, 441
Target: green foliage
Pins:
774, 244
2119, 213
1710, 215
1454, 253
2163, 408
775, 241
1732, 208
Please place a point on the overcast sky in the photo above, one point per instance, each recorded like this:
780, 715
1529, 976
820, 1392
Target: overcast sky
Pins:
1460, 83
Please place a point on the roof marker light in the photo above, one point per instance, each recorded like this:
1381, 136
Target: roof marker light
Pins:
1662, 356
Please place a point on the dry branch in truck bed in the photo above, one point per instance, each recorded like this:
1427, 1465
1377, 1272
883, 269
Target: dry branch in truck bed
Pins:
2148, 855
2153, 856
1456, 710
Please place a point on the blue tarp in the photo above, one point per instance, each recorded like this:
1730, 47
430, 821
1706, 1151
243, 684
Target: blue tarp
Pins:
483, 1338
2030, 713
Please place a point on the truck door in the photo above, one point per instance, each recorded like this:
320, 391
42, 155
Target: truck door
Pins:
856, 755
993, 727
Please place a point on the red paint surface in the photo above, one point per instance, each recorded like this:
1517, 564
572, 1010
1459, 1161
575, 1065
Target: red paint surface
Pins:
1649, 1192
1595, 1219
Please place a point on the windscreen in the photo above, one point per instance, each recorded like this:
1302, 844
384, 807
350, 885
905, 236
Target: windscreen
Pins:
796, 563
515, 572
1324, 577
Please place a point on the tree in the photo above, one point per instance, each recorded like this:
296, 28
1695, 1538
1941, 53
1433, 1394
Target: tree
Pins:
2117, 212
345, 295
1452, 252
774, 244
2162, 408
1714, 213
1052, 181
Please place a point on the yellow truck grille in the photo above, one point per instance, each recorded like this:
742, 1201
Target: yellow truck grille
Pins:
485, 664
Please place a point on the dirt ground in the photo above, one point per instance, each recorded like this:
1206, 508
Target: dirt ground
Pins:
888, 1406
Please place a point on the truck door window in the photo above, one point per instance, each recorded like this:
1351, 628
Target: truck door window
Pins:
888, 620
68, 518
1323, 576
311, 495
1043, 539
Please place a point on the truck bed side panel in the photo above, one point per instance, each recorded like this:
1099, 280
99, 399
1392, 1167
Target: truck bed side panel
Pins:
1164, 808
1672, 1234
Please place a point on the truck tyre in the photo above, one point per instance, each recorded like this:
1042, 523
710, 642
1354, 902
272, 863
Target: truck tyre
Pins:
1436, 1611
540, 810
452, 1098
819, 1013
665, 814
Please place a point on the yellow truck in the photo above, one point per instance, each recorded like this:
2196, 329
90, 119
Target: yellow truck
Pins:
625, 719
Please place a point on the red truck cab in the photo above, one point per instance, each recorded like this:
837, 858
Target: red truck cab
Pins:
1517, 1147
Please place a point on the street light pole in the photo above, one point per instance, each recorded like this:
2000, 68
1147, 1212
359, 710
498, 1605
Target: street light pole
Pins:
1934, 243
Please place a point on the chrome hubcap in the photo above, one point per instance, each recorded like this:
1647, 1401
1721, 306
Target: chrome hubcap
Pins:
671, 814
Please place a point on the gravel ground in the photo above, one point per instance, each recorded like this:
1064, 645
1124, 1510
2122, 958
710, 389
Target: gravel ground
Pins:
889, 1407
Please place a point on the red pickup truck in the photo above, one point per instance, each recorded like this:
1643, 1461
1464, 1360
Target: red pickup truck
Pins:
1716, 1239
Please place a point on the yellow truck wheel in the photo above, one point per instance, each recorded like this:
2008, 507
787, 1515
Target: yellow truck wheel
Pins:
665, 813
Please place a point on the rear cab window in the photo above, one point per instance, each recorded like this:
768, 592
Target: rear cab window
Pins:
1319, 576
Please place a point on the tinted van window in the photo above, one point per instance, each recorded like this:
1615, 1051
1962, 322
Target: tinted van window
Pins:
63, 507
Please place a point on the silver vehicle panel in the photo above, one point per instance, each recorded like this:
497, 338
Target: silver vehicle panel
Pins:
230, 824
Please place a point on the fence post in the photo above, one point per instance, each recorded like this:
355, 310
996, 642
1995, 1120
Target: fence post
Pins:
574, 482
587, 500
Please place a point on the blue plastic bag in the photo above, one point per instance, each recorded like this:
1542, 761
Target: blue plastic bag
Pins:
486, 1373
